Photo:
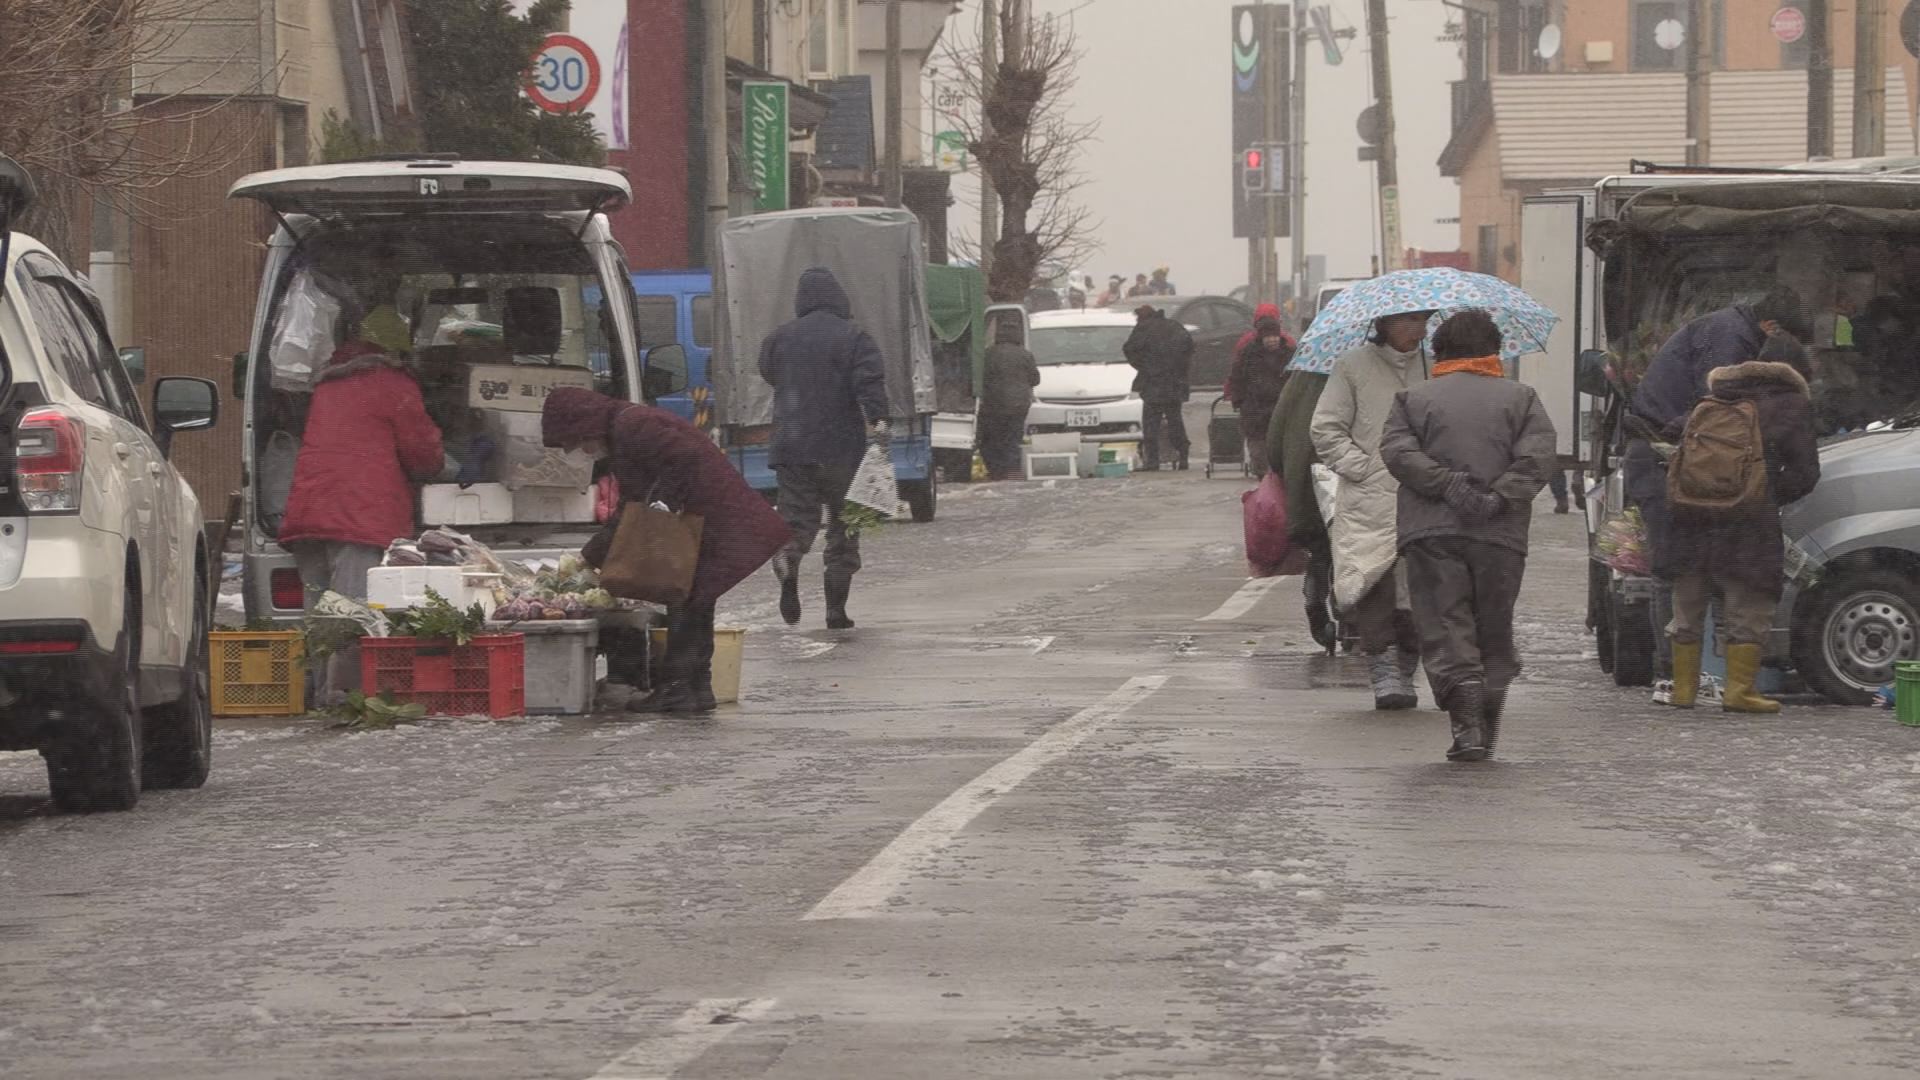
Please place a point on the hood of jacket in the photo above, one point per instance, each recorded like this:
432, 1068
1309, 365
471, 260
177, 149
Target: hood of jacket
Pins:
573, 415
1756, 371
820, 291
1266, 311
356, 358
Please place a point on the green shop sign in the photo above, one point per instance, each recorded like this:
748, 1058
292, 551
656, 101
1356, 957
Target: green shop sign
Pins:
764, 112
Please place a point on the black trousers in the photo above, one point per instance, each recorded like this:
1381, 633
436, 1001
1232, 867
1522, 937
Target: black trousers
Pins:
1464, 593
1000, 436
1162, 418
812, 496
1381, 623
689, 654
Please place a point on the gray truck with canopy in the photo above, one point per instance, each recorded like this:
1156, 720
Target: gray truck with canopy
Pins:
1633, 259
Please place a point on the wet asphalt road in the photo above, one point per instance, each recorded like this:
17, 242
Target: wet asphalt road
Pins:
1039, 816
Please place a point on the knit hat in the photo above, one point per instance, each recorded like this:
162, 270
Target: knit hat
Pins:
384, 327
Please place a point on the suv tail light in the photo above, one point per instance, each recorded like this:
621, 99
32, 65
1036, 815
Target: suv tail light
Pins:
288, 592
49, 450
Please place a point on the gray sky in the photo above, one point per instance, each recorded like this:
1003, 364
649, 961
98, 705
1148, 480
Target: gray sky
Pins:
1157, 76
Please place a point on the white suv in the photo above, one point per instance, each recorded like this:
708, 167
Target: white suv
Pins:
105, 577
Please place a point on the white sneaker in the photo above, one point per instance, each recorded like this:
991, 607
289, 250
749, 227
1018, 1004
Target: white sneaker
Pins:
1663, 692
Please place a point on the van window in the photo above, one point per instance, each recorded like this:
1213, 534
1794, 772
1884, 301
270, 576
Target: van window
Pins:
658, 320
703, 322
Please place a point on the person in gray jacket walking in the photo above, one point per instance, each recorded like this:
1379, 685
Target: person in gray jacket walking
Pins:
1471, 449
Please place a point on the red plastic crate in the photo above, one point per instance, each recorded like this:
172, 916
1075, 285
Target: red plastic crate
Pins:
484, 678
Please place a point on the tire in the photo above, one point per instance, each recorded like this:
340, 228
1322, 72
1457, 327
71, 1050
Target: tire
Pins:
179, 736
1632, 634
922, 497
1854, 629
97, 768
956, 466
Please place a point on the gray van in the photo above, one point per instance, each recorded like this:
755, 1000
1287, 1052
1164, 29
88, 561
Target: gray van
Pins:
488, 262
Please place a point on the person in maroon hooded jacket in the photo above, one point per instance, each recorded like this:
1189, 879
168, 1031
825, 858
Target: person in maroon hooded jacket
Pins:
656, 456
368, 439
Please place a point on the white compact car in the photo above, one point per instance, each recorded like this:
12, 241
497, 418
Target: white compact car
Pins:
1085, 382
105, 577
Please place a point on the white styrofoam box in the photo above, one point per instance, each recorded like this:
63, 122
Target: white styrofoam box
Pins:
560, 673
1060, 442
1053, 466
406, 586
521, 461
478, 504
552, 504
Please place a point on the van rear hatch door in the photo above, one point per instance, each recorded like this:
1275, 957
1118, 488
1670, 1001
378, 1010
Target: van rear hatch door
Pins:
435, 186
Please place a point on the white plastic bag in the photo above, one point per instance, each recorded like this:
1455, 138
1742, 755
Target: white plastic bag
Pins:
1326, 486
304, 341
874, 486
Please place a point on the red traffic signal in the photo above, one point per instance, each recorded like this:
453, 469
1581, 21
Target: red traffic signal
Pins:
1253, 169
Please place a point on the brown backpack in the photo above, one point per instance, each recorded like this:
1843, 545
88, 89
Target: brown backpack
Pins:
1721, 463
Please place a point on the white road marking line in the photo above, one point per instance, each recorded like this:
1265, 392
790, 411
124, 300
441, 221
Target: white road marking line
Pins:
810, 649
1040, 644
870, 887
1242, 601
697, 1030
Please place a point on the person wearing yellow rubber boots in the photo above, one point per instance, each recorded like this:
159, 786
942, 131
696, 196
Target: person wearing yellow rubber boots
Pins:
1734, 552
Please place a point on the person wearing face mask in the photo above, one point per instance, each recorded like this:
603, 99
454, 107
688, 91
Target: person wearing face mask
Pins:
1346, 429
656, 456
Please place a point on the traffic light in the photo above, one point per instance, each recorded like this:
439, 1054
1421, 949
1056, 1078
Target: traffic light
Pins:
1253, 169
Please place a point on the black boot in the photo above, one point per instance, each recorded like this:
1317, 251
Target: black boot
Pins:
1466, 708
1182, 466
789, 589
669, 697
1496, 704
839, 586
703, 699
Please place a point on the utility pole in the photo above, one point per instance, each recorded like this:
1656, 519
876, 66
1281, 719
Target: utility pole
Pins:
1387, 168
1268, 290
1869, 78
713, 117
1699, 90
893, 118
1819, 81
989, 68
1297, 158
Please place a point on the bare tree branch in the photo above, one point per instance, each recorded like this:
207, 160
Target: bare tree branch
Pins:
1017, 128
72, 114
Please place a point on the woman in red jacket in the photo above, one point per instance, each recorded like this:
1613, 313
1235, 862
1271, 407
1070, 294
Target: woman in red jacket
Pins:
658, 457
368, 437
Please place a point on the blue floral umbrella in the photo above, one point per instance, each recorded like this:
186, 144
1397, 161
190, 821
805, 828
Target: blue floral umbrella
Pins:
1524, 322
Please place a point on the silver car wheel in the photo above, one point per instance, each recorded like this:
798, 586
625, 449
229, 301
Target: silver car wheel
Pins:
1866, 634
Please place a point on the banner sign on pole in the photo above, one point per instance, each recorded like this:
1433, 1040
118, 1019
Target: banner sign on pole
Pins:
764, 113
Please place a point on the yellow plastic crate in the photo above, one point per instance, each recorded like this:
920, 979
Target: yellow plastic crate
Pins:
259, 672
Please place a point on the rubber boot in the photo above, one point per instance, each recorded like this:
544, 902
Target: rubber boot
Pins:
1408, 664
669, 697
1384, 673
1496, 705
1466, 709
838, 588
703, 699
1686, 674
1182, 466
1743, 667
789, 577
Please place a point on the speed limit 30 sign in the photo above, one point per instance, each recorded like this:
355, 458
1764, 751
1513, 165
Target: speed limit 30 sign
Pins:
565, 75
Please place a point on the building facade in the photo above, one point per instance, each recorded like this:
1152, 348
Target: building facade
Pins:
1557, 94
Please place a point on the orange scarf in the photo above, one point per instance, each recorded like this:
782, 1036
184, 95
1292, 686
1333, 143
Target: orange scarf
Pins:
1472, 365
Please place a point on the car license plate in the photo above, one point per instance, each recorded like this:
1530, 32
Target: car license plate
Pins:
1083, 418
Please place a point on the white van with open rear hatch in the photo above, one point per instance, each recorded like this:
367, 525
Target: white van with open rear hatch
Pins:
511, 285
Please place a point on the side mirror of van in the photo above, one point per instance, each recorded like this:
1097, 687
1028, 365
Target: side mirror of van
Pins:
665, 373
134, 359
239, 376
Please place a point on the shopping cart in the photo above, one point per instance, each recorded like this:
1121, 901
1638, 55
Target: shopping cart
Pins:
1224, 443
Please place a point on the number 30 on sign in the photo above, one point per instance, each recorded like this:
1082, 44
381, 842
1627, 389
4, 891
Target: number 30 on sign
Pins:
565, 75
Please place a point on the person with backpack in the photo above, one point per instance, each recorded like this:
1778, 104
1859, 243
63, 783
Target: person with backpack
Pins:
1742, 453
1161, 350
1471, 449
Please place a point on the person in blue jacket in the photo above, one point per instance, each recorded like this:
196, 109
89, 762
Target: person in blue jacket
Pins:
829, 403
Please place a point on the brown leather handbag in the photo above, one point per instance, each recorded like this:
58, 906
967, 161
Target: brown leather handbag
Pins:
653, 555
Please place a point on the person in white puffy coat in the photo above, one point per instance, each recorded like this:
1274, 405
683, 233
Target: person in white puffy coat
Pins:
1368, 590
